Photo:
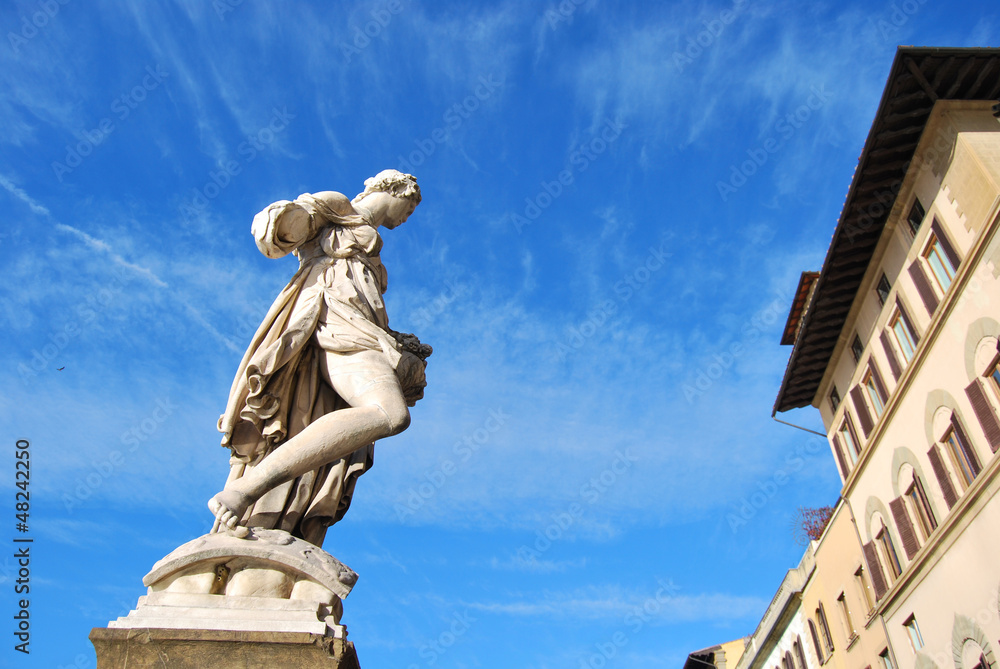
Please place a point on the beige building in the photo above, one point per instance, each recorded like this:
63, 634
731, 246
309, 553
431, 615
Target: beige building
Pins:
897, 346
896, 341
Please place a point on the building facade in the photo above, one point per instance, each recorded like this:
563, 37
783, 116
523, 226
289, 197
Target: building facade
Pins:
896, 341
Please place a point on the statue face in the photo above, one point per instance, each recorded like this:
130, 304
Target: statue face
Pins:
398, 210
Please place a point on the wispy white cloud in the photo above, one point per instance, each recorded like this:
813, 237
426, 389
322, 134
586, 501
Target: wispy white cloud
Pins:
103, 247
19, 193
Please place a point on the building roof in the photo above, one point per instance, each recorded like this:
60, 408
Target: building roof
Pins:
920, 76
802, 295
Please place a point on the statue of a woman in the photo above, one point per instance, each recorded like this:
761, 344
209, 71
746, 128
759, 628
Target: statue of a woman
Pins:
324, 376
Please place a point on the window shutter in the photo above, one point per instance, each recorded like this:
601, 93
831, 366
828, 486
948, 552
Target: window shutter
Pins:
839, 450
905, 527
909, 323
942, 476
891, 355
878, 381
966, 444
923, 287
861, 408
874, 569
984, 413
949, 250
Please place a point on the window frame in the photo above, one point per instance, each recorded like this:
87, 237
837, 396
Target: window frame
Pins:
857, 349
915, 222
898, 317
890, 557
960, 456
845, 612
935, 248
920, 508
913, 633
873, 393
882, 289
824, 626
867, 597
847, 431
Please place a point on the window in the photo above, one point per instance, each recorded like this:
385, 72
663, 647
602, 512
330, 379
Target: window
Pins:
941, 268
882, 290
920, 509
916, 216
994, 373
866, 591
888, 551
835, 398
845, 612
824, 627
903, 334
884, 661
857, 349
815, 637
800, 655
874, 391
786, 661
849, 441
913, 631
963, 460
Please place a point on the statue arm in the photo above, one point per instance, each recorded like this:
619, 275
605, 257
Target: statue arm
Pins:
282, 226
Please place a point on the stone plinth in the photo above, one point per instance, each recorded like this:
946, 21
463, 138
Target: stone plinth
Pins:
219, 649
264, 599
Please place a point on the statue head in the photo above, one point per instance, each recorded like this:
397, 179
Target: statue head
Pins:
394, 183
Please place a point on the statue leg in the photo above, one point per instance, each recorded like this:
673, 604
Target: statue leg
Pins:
367, 382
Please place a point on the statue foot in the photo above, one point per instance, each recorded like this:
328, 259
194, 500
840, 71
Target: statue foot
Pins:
228, 508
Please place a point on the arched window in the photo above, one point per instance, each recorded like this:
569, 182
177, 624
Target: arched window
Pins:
815, 637
824, 627
800, 655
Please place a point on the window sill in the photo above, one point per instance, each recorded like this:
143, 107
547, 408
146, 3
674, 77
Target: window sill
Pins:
853, 640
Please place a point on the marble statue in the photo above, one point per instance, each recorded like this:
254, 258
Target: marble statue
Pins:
324, 377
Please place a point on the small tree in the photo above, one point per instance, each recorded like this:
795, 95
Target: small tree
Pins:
814, 520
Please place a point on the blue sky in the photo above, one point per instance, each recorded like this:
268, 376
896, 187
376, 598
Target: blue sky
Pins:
618, 199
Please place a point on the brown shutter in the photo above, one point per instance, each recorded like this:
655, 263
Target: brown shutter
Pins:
909, 323
949, 250
839, 450
905, 527
891, 355
861, 408
874, 569
966, 444
942, 476
985, 414
878, 381
927, 293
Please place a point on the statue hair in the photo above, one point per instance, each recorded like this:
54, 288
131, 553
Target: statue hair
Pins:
394, 183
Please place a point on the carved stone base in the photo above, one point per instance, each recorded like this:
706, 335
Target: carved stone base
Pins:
219, 649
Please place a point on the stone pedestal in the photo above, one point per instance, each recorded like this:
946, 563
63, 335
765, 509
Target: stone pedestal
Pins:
262, 600
219, 649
